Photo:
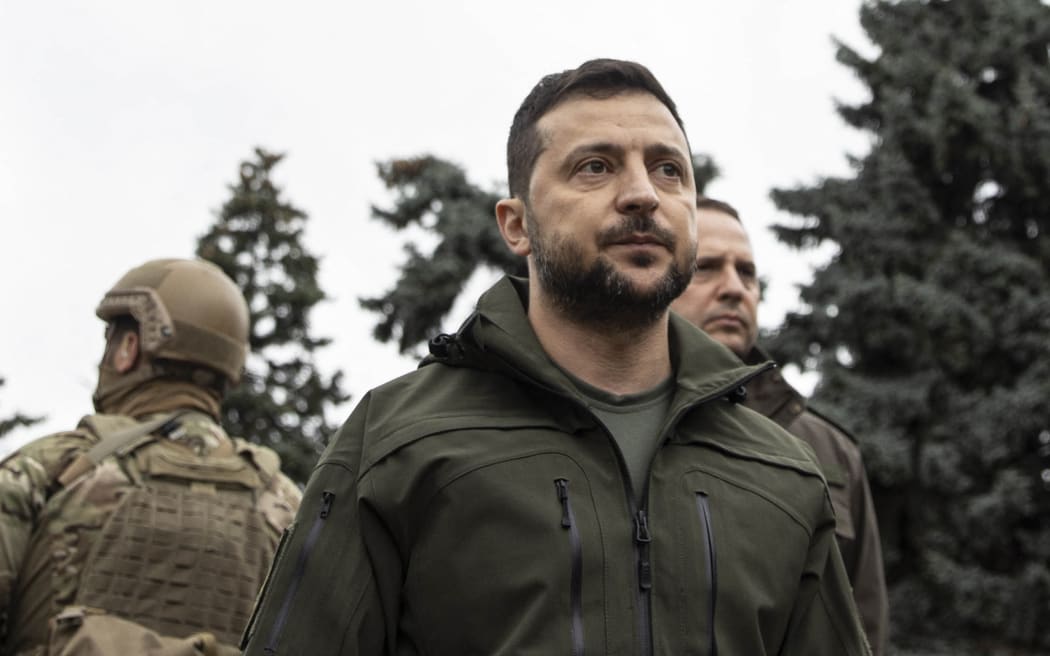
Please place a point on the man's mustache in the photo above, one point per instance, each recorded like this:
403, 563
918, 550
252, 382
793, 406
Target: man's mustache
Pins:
633, 225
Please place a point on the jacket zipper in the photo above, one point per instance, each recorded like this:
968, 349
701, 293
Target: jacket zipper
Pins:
639, 516
642, 536
642, 539
710, 564
327, 498
568, 521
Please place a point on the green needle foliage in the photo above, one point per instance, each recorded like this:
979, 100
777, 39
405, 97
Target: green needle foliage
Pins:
435, 195
8, 424
257, 241
929, 329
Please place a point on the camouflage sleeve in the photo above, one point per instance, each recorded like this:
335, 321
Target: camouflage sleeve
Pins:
280, 499
25, 478
279, 502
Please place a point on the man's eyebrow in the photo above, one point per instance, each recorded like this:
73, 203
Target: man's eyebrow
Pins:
595, 148
615, 150
665, 150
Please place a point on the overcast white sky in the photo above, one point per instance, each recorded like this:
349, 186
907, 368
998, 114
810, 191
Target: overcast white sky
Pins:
122, 122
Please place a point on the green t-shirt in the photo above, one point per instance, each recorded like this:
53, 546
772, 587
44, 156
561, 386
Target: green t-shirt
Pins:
635, 421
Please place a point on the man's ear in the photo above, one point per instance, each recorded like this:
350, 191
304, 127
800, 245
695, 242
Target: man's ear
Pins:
510, 215
127, 352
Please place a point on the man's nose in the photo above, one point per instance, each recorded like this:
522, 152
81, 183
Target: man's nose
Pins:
637, 193
732, 286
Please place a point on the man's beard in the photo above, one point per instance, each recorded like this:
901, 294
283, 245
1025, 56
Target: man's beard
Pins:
598, 295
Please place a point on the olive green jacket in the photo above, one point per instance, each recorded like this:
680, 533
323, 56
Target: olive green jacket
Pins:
856, 526
476, 506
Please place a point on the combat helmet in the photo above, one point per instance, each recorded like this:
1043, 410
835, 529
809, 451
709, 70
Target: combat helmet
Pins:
187, 310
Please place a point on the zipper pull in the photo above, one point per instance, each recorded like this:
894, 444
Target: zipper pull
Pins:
641, 528
643, 538
563, 496
645, 574
326, 503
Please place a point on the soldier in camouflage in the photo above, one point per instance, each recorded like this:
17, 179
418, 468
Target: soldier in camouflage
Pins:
147, 520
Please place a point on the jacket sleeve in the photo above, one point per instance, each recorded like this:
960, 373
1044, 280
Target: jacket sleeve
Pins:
320, 596
824, 621
22, 482
869, 580
859, 545
25, 483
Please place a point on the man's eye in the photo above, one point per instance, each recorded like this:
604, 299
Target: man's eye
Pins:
671, 170
594, 166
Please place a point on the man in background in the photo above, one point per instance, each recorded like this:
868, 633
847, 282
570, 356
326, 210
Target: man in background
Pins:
722, 300
146, 529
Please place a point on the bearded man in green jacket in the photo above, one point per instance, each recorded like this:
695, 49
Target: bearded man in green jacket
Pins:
571, 472
722, 300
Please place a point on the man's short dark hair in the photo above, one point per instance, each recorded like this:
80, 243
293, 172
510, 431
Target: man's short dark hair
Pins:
597, 78
705, 203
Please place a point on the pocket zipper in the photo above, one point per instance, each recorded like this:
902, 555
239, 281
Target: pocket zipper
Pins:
568, 521
704, 508
327, 499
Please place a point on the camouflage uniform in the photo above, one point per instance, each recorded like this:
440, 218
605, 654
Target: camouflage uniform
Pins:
60, 546
166, 527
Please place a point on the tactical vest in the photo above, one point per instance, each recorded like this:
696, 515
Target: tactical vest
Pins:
186, 548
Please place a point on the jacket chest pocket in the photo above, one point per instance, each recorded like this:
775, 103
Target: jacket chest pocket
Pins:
708, 562
735, 559
688, 550
569, 523
513, 551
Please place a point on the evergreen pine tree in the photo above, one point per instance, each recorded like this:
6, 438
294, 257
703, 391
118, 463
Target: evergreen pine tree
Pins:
257, 241
8, 424
929, 328
434, 194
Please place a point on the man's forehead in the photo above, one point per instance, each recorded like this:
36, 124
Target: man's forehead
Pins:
708, 250
721, 237
718, 222
580, 116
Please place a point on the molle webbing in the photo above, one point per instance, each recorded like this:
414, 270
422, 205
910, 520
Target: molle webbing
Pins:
179, 559
185, 549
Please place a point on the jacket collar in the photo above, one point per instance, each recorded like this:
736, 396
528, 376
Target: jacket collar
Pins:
769, 394
498, 336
